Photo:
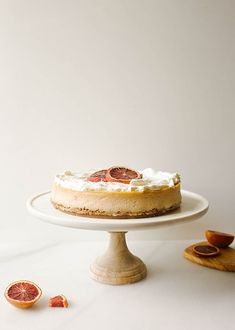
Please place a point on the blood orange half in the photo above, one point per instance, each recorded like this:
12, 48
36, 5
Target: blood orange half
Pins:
58, 301
206, 250
22, 294
121, 174
97, 176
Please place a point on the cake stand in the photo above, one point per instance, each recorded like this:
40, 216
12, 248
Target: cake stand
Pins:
118, 265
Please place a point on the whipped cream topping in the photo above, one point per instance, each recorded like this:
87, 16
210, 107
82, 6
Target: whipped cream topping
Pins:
151, 180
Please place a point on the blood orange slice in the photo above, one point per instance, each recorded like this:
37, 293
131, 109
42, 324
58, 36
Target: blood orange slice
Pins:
22, 294
98, 176
58, 301
121, 174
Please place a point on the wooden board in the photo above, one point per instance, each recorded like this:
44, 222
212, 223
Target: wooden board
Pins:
224, 261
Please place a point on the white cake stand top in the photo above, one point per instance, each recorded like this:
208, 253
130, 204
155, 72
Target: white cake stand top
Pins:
193, 207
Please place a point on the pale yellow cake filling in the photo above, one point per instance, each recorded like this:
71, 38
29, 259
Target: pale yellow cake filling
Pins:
116, 204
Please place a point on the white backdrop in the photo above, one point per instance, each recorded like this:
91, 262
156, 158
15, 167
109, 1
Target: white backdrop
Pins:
90, 83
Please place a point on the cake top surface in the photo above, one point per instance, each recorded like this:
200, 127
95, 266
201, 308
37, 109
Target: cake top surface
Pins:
147, 179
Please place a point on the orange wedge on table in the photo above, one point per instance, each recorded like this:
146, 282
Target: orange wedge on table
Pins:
58, 301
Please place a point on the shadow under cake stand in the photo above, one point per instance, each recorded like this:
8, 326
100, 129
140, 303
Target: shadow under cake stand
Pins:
118, 265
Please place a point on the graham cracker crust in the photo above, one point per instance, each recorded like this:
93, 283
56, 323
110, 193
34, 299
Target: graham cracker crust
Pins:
119, 215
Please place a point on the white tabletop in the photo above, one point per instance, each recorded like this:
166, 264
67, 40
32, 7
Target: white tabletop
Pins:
175, 295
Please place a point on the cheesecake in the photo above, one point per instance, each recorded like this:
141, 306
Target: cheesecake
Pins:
117, 192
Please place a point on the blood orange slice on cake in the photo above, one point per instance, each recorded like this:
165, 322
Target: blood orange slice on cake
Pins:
121, 174
22, 294
98, 176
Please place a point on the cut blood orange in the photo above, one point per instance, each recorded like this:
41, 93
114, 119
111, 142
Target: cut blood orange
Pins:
23, 294
58, 301
206, 250
221, 240
121, 174
98, 176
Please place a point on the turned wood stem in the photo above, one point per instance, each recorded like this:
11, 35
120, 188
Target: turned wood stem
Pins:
117, 243
118, 265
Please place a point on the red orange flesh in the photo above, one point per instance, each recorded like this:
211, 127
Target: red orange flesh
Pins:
97, 176
22, 294
58, 301
205, 250
121, 174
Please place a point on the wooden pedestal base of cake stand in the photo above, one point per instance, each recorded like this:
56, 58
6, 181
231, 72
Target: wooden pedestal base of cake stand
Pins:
118, 265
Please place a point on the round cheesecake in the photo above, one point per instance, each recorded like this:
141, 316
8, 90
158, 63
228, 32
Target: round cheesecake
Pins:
152, 193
